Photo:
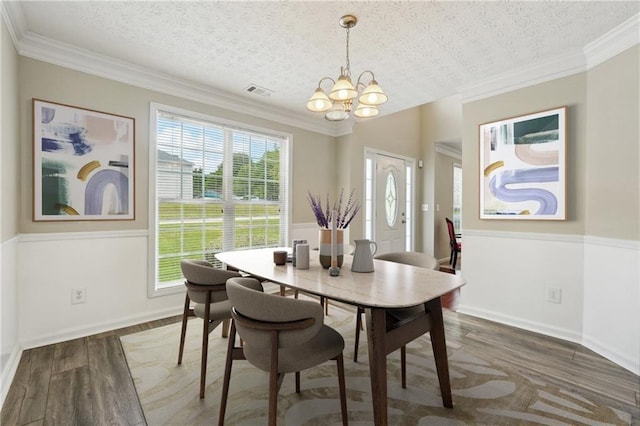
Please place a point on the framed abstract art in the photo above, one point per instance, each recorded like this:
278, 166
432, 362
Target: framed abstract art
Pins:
83, 164
523, 167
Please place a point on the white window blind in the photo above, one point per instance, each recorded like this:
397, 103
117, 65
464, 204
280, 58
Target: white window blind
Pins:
218, 187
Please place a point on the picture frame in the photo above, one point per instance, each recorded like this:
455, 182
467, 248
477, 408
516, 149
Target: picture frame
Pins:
523, 167
83, 164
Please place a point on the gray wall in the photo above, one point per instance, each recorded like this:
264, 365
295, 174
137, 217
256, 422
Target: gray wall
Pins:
312, 159
10, 152
441, 122
612, 199
570, 91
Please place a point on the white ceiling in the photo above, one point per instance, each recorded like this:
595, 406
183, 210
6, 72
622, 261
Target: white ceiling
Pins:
419, 51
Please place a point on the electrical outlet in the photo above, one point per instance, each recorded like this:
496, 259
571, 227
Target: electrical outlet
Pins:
554, 295
78, 295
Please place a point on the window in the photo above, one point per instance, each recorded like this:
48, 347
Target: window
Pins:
457, 198
218, 187
408, 237
368, 198
391, 199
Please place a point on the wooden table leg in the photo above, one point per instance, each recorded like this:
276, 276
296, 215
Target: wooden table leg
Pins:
376, 330
439, 346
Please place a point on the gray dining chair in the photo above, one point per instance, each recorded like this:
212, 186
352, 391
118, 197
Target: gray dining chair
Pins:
280, 335
206, 289
420, 260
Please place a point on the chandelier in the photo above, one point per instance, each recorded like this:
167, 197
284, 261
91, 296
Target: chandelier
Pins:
342, 96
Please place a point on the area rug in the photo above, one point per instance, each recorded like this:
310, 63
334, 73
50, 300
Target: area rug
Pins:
483, 393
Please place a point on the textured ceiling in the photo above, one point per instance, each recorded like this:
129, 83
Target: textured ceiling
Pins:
419, 51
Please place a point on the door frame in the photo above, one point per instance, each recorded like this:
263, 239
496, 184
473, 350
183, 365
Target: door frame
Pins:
411, 213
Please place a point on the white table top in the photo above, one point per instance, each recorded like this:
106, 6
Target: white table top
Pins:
391, 285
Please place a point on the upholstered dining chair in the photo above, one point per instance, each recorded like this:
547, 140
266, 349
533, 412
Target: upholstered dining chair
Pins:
280, 335
456, 247
412, 258
206, 289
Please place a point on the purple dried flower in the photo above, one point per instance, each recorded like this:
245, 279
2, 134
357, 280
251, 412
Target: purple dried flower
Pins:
324, 216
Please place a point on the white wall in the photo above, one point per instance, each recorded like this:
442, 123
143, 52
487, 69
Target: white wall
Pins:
508, 276
111, 266
11, 350
611, 321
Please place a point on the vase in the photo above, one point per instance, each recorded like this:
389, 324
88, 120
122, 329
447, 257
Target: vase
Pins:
324, 239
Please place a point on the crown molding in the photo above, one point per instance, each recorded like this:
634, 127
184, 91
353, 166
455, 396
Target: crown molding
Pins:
540, 72
616, 41
446, 150
14, 19
34, 46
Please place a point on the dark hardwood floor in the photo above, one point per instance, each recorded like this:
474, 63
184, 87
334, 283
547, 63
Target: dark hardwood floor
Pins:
87, 381
79, 382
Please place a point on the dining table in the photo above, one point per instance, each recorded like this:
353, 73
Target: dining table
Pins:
390, 286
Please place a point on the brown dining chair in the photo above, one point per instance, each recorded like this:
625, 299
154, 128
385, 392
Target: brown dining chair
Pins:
420, 260
280, 335
456, 247
206, 289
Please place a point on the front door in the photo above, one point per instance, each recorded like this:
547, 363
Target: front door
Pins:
390, 202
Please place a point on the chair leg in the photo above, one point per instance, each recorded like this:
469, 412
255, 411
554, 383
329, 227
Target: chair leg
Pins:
343, 390
455, 259
297, 382
205, 344
225, 327
357, 339
183, 333
403, 365
273, 380
227, 374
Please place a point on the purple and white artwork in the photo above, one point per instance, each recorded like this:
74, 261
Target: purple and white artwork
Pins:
83, 164
522, 167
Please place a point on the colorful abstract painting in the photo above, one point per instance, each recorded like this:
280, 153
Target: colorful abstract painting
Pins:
522, 167
83, 164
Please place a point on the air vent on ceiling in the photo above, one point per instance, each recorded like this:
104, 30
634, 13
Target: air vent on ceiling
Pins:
257, 90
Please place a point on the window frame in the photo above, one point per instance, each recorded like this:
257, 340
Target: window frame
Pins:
286, 179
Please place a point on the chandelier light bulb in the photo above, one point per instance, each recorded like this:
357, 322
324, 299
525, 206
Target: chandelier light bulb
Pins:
373, 94
319, 102
366, 111
343, 89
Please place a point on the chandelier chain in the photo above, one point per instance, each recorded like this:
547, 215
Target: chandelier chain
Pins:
348, 70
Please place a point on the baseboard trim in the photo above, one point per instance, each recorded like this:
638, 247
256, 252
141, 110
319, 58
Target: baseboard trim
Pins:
625, 362
88, 330
536, 327
9, 373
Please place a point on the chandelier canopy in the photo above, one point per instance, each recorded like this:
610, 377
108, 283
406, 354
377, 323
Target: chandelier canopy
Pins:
342, 97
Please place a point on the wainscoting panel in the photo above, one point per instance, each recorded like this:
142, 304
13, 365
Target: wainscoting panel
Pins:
110, 266
10, 348
509, 276
611, 324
